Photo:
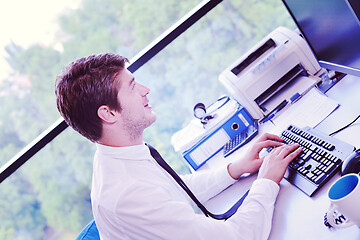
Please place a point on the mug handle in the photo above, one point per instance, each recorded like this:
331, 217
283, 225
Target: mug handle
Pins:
331, 220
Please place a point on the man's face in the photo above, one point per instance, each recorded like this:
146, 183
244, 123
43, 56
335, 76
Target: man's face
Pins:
136, 112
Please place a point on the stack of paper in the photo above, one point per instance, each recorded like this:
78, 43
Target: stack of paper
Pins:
310, 110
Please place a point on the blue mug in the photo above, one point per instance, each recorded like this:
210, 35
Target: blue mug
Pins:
344, 195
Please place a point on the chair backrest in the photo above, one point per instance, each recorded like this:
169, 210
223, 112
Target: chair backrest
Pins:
90, 232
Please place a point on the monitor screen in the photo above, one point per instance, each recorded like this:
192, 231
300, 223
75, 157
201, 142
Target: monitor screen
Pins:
332, 29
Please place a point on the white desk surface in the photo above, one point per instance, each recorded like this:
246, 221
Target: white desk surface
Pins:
296, 215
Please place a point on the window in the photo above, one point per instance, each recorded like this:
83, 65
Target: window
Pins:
49, 195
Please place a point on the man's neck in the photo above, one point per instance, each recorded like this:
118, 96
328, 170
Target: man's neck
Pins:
121, 140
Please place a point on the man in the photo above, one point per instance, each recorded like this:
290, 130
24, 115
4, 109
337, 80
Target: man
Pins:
132, 196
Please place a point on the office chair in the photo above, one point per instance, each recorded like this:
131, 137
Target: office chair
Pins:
90, 232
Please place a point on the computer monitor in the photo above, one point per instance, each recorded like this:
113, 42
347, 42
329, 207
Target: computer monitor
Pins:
332, 29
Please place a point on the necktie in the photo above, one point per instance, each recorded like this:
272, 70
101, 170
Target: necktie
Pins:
156, 155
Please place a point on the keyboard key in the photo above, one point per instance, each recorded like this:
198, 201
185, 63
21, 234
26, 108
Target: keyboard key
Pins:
320, 178
330, 168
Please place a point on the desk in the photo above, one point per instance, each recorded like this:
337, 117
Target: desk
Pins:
296, 215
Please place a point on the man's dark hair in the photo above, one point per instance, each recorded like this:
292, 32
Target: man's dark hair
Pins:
84, 86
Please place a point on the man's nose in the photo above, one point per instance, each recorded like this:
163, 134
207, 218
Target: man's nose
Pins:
144, 90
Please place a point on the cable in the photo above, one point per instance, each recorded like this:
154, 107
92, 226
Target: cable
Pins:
345, 126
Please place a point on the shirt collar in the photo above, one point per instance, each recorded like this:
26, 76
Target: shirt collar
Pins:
136, 152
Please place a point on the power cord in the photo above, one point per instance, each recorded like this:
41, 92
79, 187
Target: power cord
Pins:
345, 126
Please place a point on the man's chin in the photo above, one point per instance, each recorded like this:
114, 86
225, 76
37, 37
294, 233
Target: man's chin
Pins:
154, 118
151, 119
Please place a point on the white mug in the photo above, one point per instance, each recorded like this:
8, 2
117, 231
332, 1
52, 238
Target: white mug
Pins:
344, 197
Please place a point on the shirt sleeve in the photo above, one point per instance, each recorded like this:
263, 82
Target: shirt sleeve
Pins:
169, 219
208, 183
254, 217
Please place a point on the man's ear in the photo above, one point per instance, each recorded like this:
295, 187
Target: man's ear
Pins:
106, 114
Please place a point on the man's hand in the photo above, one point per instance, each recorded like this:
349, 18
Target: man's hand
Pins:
276, 162
251, 160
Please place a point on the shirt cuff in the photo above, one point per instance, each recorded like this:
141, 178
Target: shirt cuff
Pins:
266, 187
224, 173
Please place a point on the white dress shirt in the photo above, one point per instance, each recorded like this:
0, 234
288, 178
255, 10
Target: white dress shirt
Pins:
134, 198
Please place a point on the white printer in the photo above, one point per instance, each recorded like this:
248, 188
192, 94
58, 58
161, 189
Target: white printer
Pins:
268, 69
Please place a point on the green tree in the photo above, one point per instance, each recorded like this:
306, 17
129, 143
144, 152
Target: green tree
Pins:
50, 193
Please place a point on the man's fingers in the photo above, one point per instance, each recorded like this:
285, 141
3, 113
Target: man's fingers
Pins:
292, 155
284, 151
269, 136
269, 143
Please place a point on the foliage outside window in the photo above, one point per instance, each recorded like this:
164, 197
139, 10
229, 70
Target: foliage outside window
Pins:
49, 197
